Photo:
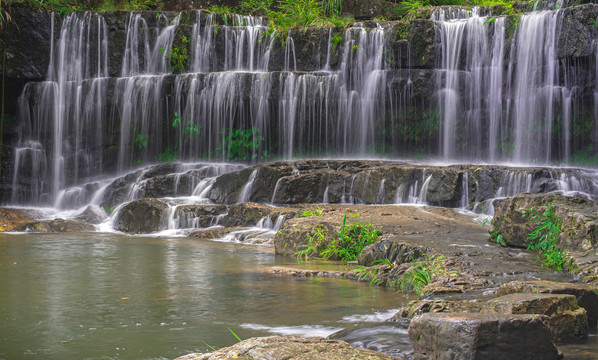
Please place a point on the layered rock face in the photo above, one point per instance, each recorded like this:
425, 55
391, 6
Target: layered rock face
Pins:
369, 90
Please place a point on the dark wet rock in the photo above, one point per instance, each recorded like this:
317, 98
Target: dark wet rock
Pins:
387, 182
587, 296
27, 43
579, 217
214, 232
577, 30
567, 322
249, 214
55, 226
142, 216
290, 348
191, 216
481, 336
228, 187
91, 215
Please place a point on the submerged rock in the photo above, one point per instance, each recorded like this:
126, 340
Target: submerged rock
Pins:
55, 226
290, 348
484, 336
142, 216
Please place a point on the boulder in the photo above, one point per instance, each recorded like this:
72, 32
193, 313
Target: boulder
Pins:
468, 336
142, 216
290, 348
91, 215
587, 296
567, 322
579, 217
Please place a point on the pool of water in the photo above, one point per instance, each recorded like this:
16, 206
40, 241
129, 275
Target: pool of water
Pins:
110, 296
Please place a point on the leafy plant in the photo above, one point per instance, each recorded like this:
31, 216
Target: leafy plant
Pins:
179, 55
141, 140
545, 237
371, 273
170, 154
351, 240
420, 274
241, 144
108, 209
312, 212
256, 6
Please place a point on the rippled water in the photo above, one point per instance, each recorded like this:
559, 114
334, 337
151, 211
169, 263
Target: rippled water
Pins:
107, 296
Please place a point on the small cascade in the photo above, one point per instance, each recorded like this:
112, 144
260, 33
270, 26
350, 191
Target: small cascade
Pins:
276, 187
325, 199
265, 223
245, 194
423, 194
289, 55
381, 192
279, 222
203, 48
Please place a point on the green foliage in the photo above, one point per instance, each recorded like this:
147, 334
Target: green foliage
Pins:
256, 6
545, 237
242, 145
220, 9
335, 40
179, 55
586, 157
420, 274
68, 6
298, 13
347, 246
312, 212
141, 140
108, 209
332, 7
371, 273
235, 335
496, 237
170, 154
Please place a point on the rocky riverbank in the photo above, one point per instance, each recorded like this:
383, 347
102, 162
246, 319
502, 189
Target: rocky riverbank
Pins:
476, 281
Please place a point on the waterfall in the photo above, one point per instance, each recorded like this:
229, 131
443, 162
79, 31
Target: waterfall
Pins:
497, 94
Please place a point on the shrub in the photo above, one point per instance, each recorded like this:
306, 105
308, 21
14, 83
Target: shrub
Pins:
545, 237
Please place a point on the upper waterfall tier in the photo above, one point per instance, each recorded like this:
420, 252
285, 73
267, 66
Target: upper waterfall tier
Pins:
124, 89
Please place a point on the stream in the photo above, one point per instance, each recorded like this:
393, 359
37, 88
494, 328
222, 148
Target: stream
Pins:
110, 296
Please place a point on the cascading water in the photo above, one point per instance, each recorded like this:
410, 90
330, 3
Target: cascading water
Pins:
491, 103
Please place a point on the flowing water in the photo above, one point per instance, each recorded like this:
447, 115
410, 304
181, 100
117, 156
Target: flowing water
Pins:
104, 296
499, 94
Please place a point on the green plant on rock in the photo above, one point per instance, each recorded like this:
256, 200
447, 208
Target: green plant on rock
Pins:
170, 154
242, 145
371, 273
346, 246
318, 211
420, 274
545, 237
